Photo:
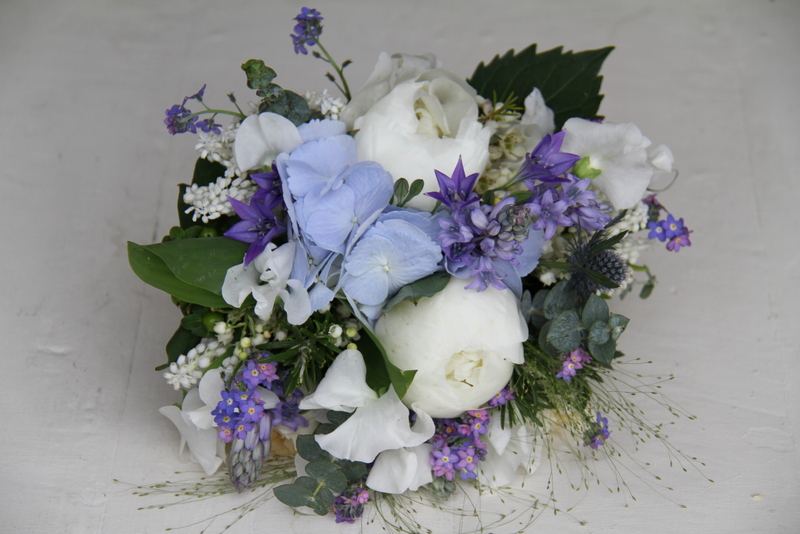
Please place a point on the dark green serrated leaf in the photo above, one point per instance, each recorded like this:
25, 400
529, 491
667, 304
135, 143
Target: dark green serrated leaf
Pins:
202, 263
603, 352
424, 287
559, 299
569, 81
595, 310
309, 449
599, 332
565, 331
258, 74
151, 269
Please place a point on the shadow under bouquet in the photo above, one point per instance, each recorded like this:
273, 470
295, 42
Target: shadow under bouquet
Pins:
405, 289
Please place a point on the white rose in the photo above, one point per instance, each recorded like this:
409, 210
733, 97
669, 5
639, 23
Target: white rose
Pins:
422, 125
463, 344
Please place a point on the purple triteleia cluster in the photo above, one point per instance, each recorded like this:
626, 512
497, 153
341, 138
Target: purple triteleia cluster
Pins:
457, 447
307, 30
475, 237
242, 414
180, 120
673, 231
349, 505
559, 198
572, 363
598, 432
259, 224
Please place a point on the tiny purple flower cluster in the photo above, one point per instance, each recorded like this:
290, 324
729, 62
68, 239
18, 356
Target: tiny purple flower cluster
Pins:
502, 398
259, 224
669, 229
572, 362
457, 445
349, 505
598, 433
477, 238
241, 410
559, 198
307, 30
179, 119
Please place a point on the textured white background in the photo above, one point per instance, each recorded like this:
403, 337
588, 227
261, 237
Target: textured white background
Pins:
87, 165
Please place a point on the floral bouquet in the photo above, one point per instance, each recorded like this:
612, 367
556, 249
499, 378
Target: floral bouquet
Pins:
405, 290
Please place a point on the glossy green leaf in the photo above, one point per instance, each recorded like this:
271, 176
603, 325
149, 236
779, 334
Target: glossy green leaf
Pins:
309, 449
151, 269
424, 287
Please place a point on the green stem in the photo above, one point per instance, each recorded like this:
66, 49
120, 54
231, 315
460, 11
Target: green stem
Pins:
219, 112
338, 70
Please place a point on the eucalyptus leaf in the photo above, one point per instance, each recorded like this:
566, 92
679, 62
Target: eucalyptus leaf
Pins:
559, 299
599, 332
151, 269
565, 331
353, 471
617, 325
569, 81
258, 74
595, 310
324, 499
544, 344
309, 449
603, 352
294, 495
328, 474
337, 418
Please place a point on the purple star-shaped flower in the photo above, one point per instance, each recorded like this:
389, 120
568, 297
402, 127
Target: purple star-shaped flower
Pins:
258, 226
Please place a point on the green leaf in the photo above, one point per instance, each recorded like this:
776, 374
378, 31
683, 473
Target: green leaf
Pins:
337, 418
328, 473
353, 471
309, 449
416, 189
181, 342
537, 315
544, 344
290, 105
559, 299
202, 263
294, 495
569, 81
595, 310
258, 74
617, 325
599, 332
194, 324
323, 500
400, 191
424, 287
647, 289
151, 269
380, 371
603, 352
565, 331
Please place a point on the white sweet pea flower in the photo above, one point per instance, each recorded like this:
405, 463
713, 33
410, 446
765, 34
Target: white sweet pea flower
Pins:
462, 343
377, 424
267, 278
260, 138
400, 470
506, 450
422, 125
196, 424
621, 153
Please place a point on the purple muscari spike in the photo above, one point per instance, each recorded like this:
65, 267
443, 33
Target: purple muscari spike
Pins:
258, 226
307, 29
456, 190
550, 213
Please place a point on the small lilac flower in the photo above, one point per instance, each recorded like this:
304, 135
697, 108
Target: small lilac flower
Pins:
442, 463
307, 29
180, 120
259, 225
673, 228
657, 231
225, 433
349, 505
598, 432
546, 162
240, 430
252, 411
456, 190
550, 213
268, 371
467, 462
288, 415
679, 241
502, 398
208, 126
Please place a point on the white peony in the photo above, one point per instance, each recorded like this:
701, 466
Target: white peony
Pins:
422, 125
463, 344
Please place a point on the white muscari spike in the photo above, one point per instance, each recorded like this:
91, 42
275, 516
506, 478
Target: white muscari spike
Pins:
187, 370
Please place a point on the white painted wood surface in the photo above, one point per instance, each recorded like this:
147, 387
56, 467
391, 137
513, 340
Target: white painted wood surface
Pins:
87, 164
